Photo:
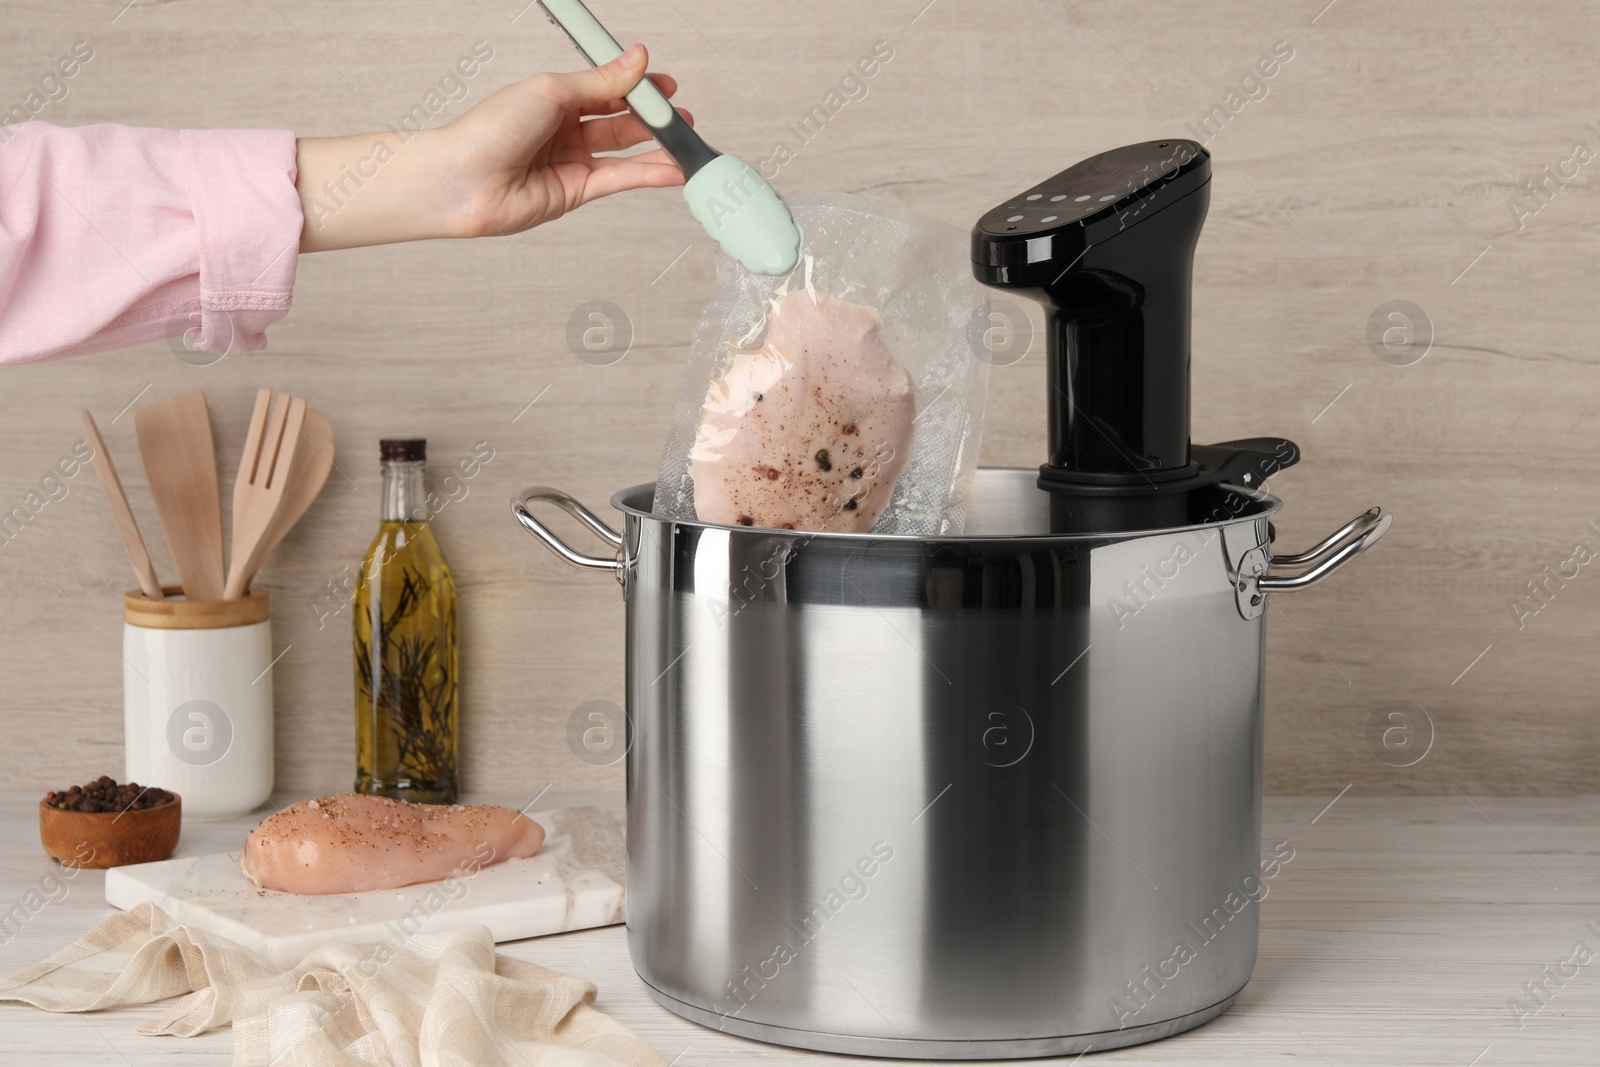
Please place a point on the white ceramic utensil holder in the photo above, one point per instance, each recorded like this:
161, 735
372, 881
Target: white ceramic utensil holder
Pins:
197, 700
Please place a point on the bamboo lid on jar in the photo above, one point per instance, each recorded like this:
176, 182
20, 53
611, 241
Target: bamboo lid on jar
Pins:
174, 613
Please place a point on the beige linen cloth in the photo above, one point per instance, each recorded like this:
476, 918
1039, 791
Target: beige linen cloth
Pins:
439, 1000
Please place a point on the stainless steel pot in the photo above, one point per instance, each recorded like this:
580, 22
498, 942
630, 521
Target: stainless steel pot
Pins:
996, 795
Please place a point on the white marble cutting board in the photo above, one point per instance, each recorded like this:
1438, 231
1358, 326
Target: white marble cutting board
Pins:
574, 883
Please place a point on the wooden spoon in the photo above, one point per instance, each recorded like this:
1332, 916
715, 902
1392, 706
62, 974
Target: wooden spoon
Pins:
181, 464
127, 528
258, 493
313, 459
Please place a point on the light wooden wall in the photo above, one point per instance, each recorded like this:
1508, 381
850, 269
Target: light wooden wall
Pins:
1379, 166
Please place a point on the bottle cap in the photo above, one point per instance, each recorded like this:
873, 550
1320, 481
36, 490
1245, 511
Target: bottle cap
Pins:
410, 449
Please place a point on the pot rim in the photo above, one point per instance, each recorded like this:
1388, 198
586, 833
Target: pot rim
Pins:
1266, 505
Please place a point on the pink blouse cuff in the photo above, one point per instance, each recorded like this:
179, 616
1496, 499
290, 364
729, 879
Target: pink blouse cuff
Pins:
247, 226
247, 223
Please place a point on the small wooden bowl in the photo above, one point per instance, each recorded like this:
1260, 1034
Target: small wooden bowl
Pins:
101, 839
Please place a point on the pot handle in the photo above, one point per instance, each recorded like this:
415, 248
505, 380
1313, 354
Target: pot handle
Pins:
1330, 554
544, 493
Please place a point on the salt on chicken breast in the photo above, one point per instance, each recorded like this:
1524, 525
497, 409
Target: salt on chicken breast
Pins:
352, 842
809, 431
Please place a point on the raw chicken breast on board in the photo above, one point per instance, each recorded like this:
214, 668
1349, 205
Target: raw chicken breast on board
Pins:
809, 431
352, 842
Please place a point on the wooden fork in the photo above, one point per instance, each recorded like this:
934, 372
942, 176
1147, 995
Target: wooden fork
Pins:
258, 491
313, 459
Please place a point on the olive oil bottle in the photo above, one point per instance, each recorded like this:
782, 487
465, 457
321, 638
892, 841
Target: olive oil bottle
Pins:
405, 646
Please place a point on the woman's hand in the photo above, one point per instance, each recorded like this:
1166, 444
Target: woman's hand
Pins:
523, 156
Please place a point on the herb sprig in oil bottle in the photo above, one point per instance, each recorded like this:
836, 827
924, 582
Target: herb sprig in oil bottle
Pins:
405, 646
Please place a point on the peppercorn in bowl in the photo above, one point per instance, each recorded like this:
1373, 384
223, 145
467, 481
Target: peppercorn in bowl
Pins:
103, 824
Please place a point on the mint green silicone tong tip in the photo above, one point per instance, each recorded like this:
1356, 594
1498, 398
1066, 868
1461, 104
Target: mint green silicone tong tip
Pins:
737, 207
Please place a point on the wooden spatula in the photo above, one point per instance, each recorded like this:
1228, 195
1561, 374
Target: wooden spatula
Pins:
313, 459
258, 493
138, 555
180, 462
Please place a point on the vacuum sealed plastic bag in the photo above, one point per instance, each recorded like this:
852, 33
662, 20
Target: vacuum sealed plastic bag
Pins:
844, 396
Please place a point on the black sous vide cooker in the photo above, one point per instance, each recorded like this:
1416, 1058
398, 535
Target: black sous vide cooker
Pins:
1107, 246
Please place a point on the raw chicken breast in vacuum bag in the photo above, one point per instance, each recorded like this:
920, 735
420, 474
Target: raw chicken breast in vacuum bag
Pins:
846, 396
809, 431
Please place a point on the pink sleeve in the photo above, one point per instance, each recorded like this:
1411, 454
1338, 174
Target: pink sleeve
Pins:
113, 236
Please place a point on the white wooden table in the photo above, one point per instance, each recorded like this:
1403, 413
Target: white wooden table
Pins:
1398, 935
